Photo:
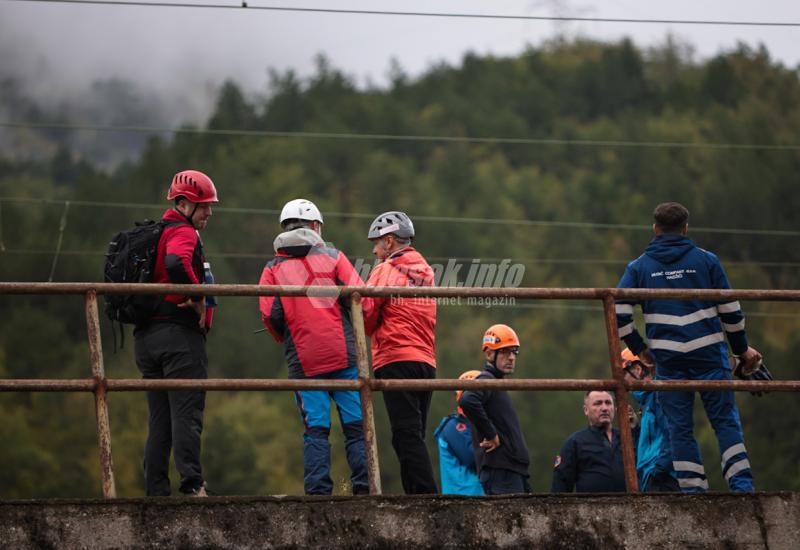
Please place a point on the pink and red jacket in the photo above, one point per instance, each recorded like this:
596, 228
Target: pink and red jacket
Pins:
316, 331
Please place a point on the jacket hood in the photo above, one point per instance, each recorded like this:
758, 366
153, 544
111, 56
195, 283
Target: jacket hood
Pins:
297, 242
669, 248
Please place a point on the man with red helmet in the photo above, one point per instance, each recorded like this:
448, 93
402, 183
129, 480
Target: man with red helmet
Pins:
501, 452
172, 343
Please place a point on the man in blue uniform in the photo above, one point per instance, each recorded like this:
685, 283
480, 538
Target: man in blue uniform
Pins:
687, 342
501, 453
590, 460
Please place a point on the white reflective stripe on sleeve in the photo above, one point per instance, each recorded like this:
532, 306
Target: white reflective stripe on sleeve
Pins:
693, 482
735, 327
626, 330
737, 468
730, 307
691, 345
623, 309
732, 451
681, 320
686, 466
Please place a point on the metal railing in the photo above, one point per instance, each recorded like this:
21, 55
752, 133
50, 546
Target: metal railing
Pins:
365, 384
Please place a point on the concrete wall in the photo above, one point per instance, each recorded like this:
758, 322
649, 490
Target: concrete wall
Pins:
765, 520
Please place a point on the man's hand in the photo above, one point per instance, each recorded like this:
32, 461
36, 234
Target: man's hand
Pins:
750, 360
647, 359
490, 445
199, 308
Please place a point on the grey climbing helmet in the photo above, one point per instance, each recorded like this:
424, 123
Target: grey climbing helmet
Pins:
397, 223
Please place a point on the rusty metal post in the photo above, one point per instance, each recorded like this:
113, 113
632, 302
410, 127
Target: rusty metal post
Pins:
367, 405
100, 403
623, 400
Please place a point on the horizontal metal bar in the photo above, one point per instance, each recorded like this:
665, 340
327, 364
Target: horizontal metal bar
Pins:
233, 384
505, 384
260, 384
430, 292
20, 385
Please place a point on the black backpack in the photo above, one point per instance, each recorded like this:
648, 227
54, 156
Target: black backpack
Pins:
131, 258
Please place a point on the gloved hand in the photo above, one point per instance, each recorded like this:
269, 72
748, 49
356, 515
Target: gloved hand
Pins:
746, 371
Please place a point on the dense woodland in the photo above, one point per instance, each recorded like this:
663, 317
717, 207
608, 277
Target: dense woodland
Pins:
573, 212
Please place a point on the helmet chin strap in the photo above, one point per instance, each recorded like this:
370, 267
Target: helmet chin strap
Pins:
190, 216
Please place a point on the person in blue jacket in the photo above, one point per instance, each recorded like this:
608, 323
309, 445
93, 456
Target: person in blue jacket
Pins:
687, 342
456, 456
590, 460
653, 451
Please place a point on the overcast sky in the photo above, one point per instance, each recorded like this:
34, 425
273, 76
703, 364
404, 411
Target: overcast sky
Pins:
59, 48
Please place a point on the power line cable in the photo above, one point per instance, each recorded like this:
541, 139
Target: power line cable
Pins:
266, 256
433, 219
2, 244
62, 226
243, 5
403, 137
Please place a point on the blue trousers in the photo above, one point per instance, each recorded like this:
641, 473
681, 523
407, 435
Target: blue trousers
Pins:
315, 408
720, 407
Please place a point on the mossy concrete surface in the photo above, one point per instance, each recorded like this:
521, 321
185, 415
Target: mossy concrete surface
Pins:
761, 520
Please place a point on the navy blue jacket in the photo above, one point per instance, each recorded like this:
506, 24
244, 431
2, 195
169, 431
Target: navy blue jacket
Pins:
681, 333
589, 463
491, 413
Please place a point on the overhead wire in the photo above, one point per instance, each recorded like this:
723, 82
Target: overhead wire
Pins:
61, 227
433, 219
2, 244
244, 5
404, 137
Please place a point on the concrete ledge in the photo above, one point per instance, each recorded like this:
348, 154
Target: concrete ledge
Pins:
761, 520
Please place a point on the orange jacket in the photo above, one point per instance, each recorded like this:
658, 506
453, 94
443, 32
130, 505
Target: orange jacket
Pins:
402, 329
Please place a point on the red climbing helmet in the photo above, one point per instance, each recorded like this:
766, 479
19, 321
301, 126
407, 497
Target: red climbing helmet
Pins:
194, 185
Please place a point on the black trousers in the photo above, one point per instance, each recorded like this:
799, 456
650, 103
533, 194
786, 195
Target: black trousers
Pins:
169, 350
408, 416
497, 481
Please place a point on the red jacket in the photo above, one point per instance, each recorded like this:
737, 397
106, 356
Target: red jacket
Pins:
402, 329
179, 261
317, 332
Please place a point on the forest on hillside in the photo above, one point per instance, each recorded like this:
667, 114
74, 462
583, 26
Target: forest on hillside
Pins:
552, 159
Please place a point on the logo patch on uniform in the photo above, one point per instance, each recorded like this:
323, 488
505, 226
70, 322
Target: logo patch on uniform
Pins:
557, 462
460, 426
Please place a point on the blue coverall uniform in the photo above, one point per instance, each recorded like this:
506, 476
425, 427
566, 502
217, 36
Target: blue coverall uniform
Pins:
687, 338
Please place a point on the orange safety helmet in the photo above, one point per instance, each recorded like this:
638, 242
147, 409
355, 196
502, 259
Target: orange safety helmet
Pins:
194, 185
499, 336
469, 375
628, 360
628, 356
